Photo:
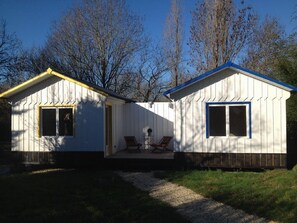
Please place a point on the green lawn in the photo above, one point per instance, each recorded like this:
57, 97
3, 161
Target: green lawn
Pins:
270, 194
77, 196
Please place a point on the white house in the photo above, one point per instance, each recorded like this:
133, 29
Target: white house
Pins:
58, 118
231, 117
227, 117
56, 113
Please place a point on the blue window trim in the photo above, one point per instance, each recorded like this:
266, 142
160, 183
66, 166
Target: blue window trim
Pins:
249, 104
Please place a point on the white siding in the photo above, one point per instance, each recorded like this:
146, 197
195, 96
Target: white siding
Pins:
139, 117
89, 117
268, 115
117, 126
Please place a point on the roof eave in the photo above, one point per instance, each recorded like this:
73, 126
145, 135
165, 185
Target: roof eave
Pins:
264, 78
15, 90
237, 68
12, 91
77, 82
197, 79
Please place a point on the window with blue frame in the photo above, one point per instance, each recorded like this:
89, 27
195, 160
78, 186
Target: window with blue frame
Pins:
228, 119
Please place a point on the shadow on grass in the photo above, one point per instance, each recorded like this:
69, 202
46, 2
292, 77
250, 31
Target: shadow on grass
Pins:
77, 196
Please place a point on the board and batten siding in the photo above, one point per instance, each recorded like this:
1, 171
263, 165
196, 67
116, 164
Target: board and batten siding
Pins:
88, 117
139, 117
117, 127
268, 115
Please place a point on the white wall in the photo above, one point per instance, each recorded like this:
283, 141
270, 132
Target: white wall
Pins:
89, 117
117, 125
138, 117
127, 119
268, 115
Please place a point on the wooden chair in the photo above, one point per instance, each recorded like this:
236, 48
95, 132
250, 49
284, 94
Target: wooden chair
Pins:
132, 142
162, 145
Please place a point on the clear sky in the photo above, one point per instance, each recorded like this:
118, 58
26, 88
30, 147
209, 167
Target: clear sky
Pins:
31, 19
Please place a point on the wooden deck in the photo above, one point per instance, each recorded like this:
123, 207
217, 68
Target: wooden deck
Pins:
143, 154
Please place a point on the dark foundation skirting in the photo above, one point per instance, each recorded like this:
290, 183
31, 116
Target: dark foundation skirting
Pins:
181, 160
231, 160
58, 158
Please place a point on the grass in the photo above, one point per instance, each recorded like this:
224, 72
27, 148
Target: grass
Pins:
270, 194
78, 196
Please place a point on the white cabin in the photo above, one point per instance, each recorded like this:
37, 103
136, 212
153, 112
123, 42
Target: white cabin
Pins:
233, 117
56, 113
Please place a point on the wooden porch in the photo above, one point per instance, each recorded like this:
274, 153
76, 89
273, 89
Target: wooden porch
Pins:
142, 154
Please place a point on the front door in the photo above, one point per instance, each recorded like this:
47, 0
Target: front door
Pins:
108, 129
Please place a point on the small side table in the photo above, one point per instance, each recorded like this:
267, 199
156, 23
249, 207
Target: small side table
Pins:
147, 142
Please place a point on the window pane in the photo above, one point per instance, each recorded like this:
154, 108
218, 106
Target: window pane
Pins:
48, 122
237, 120
65, 122
217, 121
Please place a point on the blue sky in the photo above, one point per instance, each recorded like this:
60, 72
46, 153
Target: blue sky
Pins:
31, 19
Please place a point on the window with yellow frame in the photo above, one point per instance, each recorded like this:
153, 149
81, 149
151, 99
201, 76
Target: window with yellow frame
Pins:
56, 120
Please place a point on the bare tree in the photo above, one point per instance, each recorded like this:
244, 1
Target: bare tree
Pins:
173, 40
266, 47
219, 32
97, 41
10, 48
36, 60
150, 75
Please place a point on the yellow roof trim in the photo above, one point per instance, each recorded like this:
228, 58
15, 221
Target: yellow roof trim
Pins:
23, 84
76, 82
50, 71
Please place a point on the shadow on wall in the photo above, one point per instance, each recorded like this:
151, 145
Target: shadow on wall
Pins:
292, 130
5, 134
291, 146
139, 117
84, 146
191, 123
5, 121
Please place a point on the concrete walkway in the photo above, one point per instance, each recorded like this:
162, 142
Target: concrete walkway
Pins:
189, 204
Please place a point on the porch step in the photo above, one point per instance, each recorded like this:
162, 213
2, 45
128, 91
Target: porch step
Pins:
140, 164
143, 154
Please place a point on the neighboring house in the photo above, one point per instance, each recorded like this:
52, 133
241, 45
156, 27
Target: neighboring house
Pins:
231, 117
228, 117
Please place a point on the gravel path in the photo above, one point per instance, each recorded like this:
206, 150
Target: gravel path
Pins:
189, 204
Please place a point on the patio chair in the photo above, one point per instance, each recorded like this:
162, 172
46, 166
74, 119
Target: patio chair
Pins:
162, 145
132, 142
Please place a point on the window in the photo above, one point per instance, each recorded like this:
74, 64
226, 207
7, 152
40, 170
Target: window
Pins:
65, 122
56, 121
217, 120
228, 119
48, 122
237, 119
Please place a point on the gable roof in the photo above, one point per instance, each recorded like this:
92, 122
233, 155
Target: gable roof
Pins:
235, 67
49, 73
